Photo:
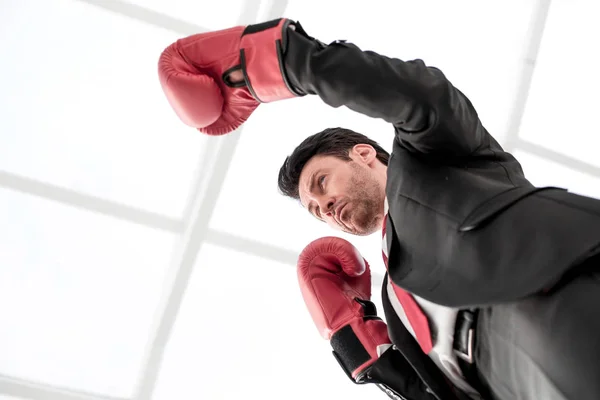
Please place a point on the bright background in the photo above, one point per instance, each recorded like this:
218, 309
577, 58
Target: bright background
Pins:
142, 260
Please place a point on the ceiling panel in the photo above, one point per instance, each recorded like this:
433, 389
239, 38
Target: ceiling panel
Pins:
543, 172
243, 331
78, 292
478, 45
81, 106
206, 14
563, 101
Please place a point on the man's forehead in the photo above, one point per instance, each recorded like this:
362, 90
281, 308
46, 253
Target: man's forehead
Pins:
317, 162
306, 172
304, 185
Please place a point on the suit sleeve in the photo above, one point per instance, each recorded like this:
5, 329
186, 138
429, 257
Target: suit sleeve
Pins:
428, 113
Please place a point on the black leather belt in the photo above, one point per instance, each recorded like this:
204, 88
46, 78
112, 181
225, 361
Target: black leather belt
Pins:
464, 335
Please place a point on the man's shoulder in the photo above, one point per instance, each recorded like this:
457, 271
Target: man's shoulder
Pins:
490, 162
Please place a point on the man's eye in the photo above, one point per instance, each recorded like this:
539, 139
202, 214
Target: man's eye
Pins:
321, 180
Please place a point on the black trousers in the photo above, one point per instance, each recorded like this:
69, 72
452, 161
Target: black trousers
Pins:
546, 347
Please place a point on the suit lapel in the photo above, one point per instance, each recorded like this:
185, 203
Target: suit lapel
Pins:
411, 315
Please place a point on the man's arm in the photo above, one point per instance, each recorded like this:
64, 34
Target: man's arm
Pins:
215, 80
428, 113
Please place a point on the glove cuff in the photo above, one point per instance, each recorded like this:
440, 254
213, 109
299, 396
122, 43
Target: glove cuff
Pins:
355, 346
261, 56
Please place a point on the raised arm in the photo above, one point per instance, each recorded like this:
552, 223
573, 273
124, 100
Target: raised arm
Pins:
215, 80
428, 113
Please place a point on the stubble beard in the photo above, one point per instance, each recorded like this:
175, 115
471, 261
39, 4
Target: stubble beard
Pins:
367, 197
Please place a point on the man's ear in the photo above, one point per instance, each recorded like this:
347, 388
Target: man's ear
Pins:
364, 153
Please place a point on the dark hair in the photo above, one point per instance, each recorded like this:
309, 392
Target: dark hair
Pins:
335, 142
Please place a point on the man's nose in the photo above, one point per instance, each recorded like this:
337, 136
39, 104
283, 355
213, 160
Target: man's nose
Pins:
326, 205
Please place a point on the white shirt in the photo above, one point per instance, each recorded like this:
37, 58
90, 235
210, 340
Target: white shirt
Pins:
442, 321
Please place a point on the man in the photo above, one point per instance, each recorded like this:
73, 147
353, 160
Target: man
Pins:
463, 227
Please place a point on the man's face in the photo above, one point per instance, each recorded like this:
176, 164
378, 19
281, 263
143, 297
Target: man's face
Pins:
347, 195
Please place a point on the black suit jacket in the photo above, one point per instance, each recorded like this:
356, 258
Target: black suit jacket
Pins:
465, 227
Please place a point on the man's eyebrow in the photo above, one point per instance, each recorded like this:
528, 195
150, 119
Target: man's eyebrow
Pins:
313, 181
311, 189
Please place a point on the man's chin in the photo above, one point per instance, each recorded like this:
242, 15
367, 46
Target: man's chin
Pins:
363, 234
368, 226
368, 232
362, 231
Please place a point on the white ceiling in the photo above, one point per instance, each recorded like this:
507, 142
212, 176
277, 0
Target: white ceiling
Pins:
140, 259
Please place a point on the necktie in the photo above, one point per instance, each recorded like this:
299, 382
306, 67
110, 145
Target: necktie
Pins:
414, 314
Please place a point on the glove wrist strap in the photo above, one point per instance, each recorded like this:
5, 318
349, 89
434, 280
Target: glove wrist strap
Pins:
348, 348
261, 57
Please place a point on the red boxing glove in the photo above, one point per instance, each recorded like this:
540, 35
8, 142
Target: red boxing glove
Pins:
335, 282
194, 73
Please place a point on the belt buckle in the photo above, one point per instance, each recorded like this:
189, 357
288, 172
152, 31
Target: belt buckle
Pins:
468, 356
